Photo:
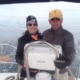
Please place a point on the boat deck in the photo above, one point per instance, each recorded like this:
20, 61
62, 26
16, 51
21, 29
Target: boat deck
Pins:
3, 76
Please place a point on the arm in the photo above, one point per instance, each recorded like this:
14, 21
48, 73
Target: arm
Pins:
69, 48
19, 52
68, 53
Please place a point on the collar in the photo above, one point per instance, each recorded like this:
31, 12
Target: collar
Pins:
58, 31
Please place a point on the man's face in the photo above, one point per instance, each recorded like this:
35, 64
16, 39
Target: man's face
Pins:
55, 23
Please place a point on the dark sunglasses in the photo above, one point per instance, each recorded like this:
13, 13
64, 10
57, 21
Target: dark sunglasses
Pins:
55, 19
32, 24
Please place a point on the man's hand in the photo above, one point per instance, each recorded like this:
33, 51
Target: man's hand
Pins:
61, 62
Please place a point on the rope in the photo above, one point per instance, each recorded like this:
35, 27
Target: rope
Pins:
70, 72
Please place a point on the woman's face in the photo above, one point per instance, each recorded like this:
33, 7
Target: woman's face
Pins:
32, 27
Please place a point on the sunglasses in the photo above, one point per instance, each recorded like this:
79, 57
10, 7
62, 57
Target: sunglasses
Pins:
53, 19
32, 24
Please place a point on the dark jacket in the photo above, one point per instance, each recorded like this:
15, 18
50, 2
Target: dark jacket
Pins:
64, 38
21, 43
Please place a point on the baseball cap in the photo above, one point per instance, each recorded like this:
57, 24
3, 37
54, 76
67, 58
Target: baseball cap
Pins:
55, 14
30, 19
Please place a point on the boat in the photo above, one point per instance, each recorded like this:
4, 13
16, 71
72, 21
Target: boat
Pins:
7, 72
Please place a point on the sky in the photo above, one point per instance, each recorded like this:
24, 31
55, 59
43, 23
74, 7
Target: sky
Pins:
13, 17
41, 10
27, 8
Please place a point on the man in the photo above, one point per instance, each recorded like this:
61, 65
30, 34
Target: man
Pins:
56, 35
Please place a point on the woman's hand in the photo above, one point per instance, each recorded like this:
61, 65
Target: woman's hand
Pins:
25, 64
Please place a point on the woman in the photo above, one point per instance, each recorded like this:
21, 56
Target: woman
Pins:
30, 35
